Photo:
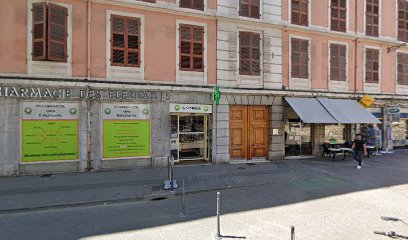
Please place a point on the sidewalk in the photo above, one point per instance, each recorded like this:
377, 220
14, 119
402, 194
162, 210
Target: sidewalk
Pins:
26, 193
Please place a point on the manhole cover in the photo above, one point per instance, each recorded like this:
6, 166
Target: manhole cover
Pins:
250, 164
241, 168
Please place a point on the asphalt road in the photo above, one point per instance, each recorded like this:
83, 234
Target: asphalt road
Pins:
323, 200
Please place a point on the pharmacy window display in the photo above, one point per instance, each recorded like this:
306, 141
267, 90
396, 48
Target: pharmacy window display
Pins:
190, 132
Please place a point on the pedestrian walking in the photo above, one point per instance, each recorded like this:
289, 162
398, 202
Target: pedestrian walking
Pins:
359, 148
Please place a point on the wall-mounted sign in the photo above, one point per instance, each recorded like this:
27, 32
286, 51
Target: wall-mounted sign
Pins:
275, 131
367, 101
190, 108
126, 130
87, 93
49, 131
394, 111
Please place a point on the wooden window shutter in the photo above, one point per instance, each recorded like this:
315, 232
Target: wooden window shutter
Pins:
299, 12
338, 16
372, 66
402, 20
338, 62
249, 8
372, 17
249, 53
39, 31
57, 33
191, 48
299, 58
194, 4
402, 66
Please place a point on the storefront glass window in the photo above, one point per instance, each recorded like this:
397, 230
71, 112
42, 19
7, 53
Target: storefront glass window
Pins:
399, 132
297, 139
334, 133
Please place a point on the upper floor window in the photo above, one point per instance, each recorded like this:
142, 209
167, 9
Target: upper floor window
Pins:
249, 53
49, 32
338, 62
125, 41
402, 62
194, 4
372, 17
249, 8
299, 58
403, 20
191, 48
338, 15
372, 65
300, 12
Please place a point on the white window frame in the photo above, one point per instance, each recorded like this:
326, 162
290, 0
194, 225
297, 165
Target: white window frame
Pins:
250, 80
399, 89
48, 68
338, 85
347, 16
300, 83
191, 77
192, 9
120, 73
309, 13
379, 18
372, 87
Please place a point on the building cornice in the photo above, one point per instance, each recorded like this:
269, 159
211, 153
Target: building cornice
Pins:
173, 86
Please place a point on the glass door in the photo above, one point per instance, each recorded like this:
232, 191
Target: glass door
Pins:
189, 137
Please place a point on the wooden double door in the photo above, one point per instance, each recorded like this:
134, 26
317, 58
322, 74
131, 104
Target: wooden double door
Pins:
248, 131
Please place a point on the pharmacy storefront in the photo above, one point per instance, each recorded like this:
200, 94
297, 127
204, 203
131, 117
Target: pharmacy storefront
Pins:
48, 129
190, 133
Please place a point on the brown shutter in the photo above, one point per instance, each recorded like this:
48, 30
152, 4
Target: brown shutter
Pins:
295, 58
304, 61
244, 53
132, 42
198, 4
338, 15
249, 8
57, 33
300, 12
117, 40
255, 54
39, 31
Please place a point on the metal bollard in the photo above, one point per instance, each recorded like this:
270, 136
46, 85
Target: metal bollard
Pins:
292, 233
183, 203
218, 235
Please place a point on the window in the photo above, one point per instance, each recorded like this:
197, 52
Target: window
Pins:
402, 62
150, 1
299, 58
338, 15
403, 20
372, 65
249, 53
49, 32
125, 41
249, 8
299, 12
338, 62
191, 48
372, 17
194, 4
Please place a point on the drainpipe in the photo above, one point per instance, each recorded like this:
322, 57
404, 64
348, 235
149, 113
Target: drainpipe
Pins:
355, 55
89, 167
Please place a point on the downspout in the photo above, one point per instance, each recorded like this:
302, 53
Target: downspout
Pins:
355, 49
355, 56
89, 167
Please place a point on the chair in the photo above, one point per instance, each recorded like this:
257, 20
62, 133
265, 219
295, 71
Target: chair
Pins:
326, 152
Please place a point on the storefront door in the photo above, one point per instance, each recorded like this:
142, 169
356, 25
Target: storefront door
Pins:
249, 130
